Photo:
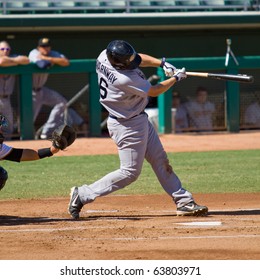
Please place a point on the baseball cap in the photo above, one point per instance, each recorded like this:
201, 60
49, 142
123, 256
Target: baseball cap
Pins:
44, 42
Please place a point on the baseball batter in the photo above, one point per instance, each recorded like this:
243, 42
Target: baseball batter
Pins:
124, 92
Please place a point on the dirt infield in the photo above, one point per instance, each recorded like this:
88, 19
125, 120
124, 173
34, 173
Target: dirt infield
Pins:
136, 227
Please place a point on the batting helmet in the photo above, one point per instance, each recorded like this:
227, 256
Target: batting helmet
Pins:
3, 177
122, 55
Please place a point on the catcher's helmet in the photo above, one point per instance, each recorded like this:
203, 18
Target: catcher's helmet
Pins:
122, 55
3, 177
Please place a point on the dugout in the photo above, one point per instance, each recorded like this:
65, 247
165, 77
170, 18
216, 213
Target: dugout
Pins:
173, 35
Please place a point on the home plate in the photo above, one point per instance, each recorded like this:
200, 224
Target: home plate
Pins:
203, 224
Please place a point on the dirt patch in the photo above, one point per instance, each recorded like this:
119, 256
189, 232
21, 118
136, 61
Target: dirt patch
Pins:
171, 143
135, 227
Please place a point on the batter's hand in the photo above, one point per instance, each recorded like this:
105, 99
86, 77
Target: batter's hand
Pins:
180, 74
168, 68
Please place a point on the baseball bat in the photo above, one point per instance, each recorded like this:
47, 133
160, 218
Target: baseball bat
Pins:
219, 76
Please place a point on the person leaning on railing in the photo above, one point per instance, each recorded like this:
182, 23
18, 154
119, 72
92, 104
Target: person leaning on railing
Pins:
44, 57
7, 82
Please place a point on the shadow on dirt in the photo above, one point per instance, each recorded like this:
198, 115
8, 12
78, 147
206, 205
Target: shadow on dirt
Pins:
236, 212
16, 220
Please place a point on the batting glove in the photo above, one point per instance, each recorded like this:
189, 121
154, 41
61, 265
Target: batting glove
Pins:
168, 68
180, 74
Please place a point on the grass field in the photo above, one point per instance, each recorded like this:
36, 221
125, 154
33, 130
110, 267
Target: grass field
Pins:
200, 172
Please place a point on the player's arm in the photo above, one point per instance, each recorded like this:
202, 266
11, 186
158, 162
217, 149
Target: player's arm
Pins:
62, 137
61, 61
6, 61
150, 61
30, 154
163, 86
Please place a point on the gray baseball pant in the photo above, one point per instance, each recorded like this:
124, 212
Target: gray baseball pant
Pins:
136, 140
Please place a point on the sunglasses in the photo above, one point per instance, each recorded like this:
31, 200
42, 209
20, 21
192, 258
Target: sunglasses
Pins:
5, 49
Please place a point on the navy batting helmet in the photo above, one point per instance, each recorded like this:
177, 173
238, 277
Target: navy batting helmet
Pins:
3, 177
122, 55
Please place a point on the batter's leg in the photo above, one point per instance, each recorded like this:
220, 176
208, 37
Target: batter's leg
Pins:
131, 149
157, 157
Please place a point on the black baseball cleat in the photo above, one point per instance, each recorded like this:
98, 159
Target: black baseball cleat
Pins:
75, 204
192, 209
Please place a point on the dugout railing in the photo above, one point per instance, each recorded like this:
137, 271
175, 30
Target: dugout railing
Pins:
205, 64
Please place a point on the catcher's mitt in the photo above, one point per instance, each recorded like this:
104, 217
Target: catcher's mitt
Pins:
63, 136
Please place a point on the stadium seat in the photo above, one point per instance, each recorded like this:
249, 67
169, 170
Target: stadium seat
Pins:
37, 4
115, 3
90, 6
165, 6
14, 7
214, 2
37, 7
164, 3
140, 6
64, 6
189, 2
215, 5
189, 5
14, 4
240, 4
115, 6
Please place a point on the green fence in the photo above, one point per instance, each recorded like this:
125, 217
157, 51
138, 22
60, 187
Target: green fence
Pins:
87, 66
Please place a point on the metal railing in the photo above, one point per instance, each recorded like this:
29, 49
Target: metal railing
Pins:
128, 6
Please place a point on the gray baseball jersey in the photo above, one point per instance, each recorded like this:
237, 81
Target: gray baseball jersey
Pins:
201, 114
124, 94
252, 114
39, 80
7, 83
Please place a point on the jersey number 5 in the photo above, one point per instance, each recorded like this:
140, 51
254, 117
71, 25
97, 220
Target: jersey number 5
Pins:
103, 88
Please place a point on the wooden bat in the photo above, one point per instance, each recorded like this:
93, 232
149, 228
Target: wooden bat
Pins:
236, 78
